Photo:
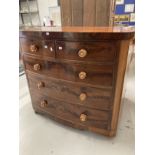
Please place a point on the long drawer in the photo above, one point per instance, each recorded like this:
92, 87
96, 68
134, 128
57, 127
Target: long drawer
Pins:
86, 51
95, 74
71, 92
38, 47
73, 113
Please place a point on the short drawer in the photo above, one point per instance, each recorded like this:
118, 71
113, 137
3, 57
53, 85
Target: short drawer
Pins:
71, 92
38, 47
72, 113
86, 51
95, 74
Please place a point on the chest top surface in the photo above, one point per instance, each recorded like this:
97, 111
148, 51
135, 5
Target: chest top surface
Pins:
97, 33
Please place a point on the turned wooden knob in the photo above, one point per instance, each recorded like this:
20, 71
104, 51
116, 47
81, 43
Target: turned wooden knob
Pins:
83, 117
83, 96
36, 67
82, 53
82, 75
33, 48
40, 85
43, 103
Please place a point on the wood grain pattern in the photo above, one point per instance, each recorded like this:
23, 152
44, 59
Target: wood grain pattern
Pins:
96, 51
80, 33
112, 12
61, 120
89, 12
66, 12
45, 48
69, 112
102, 12
97, 74
86, 12
97, 98
77, 12
123, 53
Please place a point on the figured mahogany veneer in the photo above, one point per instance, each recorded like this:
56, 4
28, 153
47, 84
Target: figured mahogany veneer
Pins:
96, 74
75, 74
43, 47
70, 112
96, 98
95, 51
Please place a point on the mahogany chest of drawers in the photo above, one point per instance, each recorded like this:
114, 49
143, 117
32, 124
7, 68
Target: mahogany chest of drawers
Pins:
75, 74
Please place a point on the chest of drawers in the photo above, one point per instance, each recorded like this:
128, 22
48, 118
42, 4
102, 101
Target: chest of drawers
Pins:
75, 74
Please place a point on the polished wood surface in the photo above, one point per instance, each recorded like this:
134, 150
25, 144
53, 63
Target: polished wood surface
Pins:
119, 84
97, 98
79, 83
94, 51
77, 33
69, 112
79, 29
41, 47
96, 74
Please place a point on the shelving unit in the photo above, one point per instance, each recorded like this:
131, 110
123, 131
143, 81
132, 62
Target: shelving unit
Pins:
29, 13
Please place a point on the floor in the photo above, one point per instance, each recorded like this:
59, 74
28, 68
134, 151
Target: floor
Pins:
42, 136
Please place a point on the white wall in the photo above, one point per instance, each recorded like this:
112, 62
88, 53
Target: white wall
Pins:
45, 10
26, 17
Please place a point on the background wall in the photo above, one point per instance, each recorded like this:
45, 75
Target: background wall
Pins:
124, 13
43, 9
49, 8
86, 12
26, 16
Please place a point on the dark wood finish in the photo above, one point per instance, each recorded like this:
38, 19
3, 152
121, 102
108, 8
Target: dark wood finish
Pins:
44, 47
97, 98
96, 51
96, 74
81, 84
78, 33
69, 112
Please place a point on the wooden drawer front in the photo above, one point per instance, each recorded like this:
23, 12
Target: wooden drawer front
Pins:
86, 51
71, 92
38, 47
48, 35
96, 74
70, 112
